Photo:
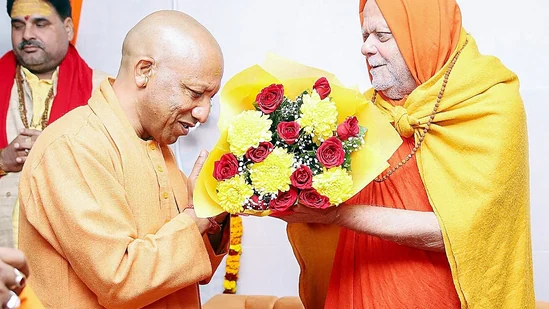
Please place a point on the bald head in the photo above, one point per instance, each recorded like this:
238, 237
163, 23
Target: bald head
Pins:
171, 67
165, 35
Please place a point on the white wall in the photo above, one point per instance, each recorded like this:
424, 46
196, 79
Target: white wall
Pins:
326, 34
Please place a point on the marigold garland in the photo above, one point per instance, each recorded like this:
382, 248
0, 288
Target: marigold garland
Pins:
233, 258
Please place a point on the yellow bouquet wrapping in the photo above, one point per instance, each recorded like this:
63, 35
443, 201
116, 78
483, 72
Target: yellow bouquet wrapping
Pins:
291, 133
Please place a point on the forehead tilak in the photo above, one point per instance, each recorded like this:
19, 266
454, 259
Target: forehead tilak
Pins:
23, 8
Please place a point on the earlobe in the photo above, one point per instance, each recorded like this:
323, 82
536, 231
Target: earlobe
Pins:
145, 82
143, 72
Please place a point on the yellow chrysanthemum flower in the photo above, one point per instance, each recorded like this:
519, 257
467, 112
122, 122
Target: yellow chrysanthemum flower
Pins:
273, 174
233, 193
335, 183
319, 117
247, 130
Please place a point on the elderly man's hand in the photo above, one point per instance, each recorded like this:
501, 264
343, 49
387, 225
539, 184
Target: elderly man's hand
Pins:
304, 214
13, 273
14, 155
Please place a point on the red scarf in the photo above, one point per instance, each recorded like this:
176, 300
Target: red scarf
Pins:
74, 87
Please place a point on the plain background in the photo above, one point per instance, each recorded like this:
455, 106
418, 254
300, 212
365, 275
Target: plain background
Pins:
326, 34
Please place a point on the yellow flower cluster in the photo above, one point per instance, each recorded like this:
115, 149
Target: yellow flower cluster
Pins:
247, 130
273, 173
335, 183
233, 193
319, 117
233, 259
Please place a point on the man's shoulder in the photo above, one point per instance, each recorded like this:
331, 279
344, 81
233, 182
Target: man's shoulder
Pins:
80, 125
79, 136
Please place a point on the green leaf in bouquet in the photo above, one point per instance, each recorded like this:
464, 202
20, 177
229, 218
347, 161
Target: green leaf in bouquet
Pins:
362, 131
256, 106
299, 99
348, 146
347, 163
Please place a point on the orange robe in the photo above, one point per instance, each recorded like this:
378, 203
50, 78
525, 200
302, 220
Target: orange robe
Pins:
100, 221
384, 274
472, 165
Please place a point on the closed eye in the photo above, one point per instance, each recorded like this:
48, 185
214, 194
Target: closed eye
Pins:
382, 36
195, 94
17, 25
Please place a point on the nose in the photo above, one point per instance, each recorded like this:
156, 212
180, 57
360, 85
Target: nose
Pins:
369, 48
28, 33
202, 111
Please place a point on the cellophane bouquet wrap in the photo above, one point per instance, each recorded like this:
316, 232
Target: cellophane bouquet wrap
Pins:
291, 134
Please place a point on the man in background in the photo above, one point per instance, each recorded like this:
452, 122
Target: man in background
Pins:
42, 78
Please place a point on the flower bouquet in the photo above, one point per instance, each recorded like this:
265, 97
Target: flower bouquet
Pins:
291, 134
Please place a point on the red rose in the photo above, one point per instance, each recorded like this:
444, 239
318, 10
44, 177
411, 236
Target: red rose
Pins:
259, 153
302, 178
322, 87
311, 198
331, 153
348, 128
288, 131
226, 167
257, 203
284, 200
269, 98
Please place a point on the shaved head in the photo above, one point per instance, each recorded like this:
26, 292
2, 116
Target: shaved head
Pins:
165, 35
171, 67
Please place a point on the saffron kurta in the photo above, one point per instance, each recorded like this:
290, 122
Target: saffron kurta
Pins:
100, 221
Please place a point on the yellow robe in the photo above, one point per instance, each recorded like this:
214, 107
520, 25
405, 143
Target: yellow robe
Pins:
474, 164
99, 216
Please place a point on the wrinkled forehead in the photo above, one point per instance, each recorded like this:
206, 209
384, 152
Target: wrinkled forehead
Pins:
26, 8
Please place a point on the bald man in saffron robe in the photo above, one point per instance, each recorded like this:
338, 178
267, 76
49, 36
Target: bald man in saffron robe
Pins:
447, 224
107, 219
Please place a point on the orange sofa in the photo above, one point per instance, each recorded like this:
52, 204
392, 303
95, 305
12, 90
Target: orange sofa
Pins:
542, 305
226, 301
